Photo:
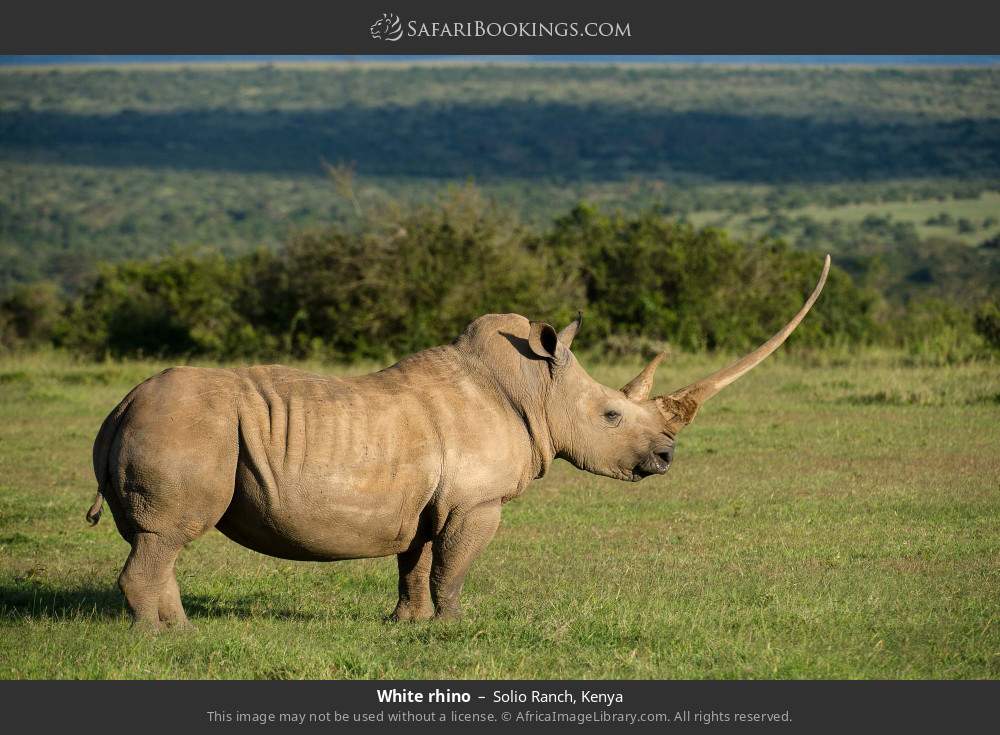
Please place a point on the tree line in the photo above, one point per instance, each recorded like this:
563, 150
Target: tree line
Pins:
400, 280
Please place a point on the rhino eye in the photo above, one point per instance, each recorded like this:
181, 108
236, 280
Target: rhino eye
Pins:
612, 416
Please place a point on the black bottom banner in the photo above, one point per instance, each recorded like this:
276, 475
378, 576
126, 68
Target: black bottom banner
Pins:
787, 706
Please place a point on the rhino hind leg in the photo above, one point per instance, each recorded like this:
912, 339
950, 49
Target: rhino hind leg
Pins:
170, 609
465, 534
415, 602
149, 584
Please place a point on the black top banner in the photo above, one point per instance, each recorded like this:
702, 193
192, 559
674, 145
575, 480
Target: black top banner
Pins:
512, 27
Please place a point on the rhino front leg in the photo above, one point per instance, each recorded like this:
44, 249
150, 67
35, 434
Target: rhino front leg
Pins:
465, 534
415, 583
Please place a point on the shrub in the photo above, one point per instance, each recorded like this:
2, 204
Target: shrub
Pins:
987, 323
29, 315
414, 281
664, 280
937, 332
179, 304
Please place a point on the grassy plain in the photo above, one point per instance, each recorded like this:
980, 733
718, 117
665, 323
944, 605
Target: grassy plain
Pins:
825, 518
939, 217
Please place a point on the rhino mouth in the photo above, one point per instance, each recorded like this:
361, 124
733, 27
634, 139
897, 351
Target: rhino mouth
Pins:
657, 463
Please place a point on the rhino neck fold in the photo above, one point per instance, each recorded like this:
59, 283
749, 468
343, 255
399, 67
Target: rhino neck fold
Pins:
542, 452
525, 407
529, 407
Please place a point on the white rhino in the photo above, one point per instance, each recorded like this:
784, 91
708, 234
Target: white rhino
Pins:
415, 460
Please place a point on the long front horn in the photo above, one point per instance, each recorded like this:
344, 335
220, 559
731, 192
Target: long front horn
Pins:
685, 402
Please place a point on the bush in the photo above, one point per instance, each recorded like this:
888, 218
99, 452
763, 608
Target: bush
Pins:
936, 331
987, 324
180, 304
413, 281
29, 315
664, 280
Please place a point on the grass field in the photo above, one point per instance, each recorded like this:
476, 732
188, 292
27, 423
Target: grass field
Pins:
824, 519
930, 217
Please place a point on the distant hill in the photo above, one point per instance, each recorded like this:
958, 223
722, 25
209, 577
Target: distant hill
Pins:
106, 162
508, 122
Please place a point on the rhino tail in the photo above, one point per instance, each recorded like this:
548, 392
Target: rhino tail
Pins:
102, 450
94, 514
102, 447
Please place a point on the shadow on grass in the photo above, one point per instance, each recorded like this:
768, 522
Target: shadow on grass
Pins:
25, 600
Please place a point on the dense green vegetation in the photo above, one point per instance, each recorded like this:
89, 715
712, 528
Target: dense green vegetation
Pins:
414, 278
821, 521
105, 164
57, 222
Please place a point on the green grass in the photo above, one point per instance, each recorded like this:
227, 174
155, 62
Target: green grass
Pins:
982, 213
824, 519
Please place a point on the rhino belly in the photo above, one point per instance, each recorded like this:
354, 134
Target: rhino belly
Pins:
324, 519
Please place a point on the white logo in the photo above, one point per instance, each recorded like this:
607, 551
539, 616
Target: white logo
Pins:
387, 28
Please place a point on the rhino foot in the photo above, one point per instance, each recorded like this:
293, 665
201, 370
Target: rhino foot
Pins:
413, 612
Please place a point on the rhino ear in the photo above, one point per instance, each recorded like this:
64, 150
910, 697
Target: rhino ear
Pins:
544, 342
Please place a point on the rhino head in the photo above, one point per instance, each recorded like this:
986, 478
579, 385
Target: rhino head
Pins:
624, 433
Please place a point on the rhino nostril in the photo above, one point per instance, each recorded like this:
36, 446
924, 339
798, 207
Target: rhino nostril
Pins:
667, 456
